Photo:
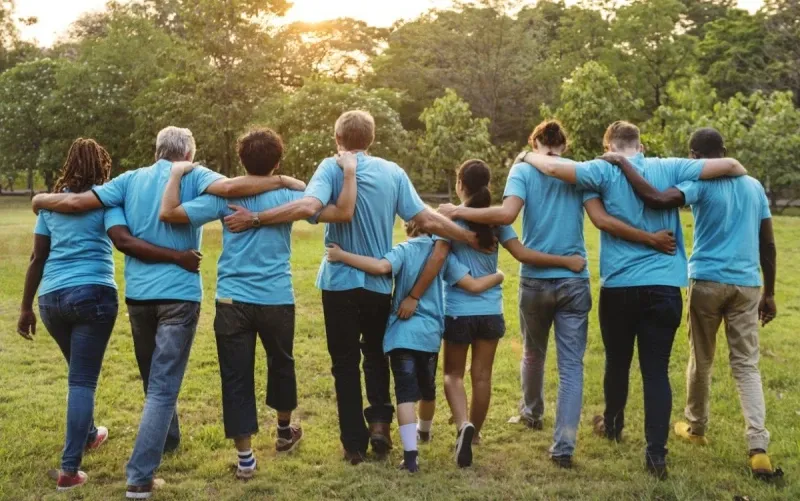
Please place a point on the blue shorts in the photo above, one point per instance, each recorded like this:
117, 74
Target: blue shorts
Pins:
465, 330
414, 375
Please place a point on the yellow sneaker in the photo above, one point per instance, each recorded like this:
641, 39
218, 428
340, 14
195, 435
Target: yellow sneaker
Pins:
684, 431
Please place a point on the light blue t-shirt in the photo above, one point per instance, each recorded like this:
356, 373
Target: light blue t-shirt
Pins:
461, 303
727, 224
384, 191
423, 331
80, 250
628, 264
139, 193
254, 265
552, 219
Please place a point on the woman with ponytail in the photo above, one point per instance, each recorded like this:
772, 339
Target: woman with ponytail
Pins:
73, 269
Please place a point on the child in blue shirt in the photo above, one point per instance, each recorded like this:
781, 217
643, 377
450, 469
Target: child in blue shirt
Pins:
413, 344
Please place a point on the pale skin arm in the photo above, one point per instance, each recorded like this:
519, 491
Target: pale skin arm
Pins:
426, 277
662, 241
557, 167
366, 264
574, 263
245, 186
482, 284
433, 223
499, 215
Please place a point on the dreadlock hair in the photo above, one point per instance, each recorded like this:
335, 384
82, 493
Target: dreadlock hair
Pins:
87, 164
474, 176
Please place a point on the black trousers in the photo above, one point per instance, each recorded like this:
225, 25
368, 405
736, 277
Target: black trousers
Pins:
355, 322
236, 327
649, 317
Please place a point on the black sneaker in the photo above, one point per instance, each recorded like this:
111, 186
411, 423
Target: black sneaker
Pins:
657, 468
562, 461
424, 436
464, 445
410, 461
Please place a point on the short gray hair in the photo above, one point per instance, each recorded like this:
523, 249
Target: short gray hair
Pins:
173, 143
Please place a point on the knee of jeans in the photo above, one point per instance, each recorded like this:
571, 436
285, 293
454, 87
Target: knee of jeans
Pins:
82, 382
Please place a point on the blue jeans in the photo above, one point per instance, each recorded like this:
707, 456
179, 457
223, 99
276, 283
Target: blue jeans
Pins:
162, 338
80, 319
648, 317
565, 302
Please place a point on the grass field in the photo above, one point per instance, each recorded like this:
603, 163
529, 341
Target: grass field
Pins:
510, 464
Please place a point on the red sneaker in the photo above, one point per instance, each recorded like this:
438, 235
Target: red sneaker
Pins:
102, 436
67, 482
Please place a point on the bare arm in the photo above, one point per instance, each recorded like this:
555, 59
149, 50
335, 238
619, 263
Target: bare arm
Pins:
662, 241
426, 277
245, 186
531, 257
769, 265
242, 219
498, 215
66, 202
367, 264
171, 210
669, 199
721, 167
557, 167
26, 325
345, 207
482, 284
145, 251
436, 224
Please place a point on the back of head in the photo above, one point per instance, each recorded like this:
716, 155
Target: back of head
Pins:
175, 144
707, 142
414, 230
474, 176
87, 164
355, 130
621, 136
549, 134
260, 151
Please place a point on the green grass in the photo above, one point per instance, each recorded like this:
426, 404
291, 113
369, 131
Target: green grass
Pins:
511, 464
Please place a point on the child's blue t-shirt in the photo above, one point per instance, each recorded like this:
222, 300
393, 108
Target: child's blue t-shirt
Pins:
423, 331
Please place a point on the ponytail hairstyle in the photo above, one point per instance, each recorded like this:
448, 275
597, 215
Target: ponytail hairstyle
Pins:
87, 164
474, 176
549, 133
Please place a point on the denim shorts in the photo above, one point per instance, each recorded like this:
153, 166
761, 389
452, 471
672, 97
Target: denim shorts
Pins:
465, 330
414, 375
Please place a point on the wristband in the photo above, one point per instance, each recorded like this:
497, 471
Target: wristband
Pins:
414, 298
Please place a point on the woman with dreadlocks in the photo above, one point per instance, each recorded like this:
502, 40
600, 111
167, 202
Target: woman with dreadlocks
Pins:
73, 269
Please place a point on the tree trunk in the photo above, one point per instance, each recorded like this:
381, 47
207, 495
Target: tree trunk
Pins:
49, 181
30, 180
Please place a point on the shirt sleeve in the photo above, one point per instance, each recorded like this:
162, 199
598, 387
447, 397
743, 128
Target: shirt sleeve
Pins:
591, 175
204, 209
692, 191
683, 169
516, 184
321, 184
765, 212
589, 195
396, 257
41, 225
203, 177
454, 270
408, 202
112, 193
506, 233
114, 216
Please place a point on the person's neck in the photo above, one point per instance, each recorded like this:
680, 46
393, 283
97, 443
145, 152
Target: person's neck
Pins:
629, 152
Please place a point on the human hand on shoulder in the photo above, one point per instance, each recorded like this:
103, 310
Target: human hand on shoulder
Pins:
347, 160
291, 183
182, 168
613, 158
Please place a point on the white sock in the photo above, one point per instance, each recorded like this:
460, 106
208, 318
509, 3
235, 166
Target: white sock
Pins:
408, 435
247, 460
424, 425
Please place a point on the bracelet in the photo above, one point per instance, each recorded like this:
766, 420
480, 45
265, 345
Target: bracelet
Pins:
414, 298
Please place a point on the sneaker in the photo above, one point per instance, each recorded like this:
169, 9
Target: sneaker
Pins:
464, 445
380, 438
354, 458
424, 436
410, 461
100, 439
287, 445
761, 466
144, 491
562, 461
657, 469
533, 424
246, 473
684, 431
67, 482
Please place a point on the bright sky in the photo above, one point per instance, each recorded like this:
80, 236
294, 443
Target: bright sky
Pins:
56, 15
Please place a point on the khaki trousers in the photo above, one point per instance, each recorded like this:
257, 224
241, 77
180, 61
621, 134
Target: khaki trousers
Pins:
709, 304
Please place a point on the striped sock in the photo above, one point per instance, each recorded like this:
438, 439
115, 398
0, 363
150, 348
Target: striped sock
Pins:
247, 461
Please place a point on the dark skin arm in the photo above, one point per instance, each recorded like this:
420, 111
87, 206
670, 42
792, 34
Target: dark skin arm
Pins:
429, 272
671, 198
144, 251
769, 265
26, 325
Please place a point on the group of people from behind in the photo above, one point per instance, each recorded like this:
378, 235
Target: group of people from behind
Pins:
398, 306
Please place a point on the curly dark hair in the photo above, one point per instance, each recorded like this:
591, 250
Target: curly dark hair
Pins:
87, 164
260, 151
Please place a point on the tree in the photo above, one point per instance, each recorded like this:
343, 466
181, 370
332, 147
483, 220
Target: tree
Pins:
305, 120
701, 12
591, 99
784, 44
451, 136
